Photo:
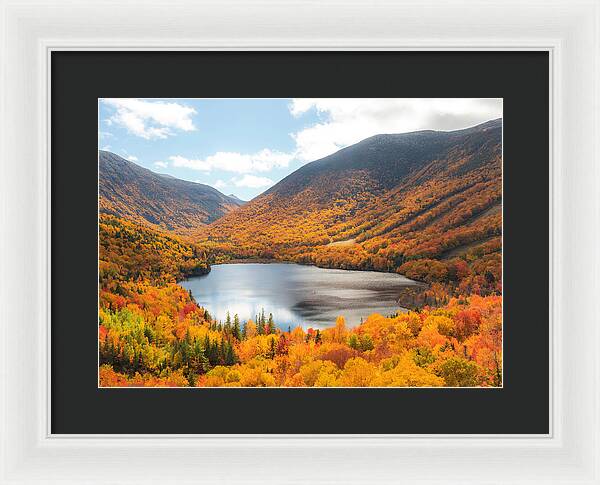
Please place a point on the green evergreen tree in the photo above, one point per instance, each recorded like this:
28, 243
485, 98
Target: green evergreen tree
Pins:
236, 327
198, 361
221, 351
318, 337
210, 350
260, 325
272, 348
230, 358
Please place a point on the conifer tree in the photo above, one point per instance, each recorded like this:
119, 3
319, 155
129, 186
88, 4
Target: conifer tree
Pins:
318, 337
222, 351
230, 358
261, 323
236, 327
272, 348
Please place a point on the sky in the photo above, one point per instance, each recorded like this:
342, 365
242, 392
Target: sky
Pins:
245, 146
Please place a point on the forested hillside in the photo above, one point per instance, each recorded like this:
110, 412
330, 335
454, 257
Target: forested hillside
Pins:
425, 204
152, 333
160, 201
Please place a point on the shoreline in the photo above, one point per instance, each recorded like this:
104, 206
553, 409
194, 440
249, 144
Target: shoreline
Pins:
277, 261
258, 261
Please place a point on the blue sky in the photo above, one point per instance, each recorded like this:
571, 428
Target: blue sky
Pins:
244, 146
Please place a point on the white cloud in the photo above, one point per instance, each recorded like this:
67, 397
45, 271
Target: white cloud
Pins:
106, 148
261, 161
219, 184
161, 164
105, 134
348, 121
132, 158
179, 161
252, 181
150, 119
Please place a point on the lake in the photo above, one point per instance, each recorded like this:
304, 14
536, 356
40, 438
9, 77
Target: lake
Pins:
296, 294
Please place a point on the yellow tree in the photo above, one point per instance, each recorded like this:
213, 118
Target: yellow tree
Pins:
340, 331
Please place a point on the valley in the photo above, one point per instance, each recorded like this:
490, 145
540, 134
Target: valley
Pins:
422, 206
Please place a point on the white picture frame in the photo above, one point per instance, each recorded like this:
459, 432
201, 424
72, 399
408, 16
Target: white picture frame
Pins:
569, 30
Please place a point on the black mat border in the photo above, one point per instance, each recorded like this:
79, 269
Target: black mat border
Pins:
79, 78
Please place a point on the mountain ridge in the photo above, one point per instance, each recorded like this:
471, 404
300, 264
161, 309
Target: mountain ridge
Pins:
355, 155
129, 190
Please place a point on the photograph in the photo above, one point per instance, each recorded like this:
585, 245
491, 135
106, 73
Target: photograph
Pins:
301, 242
341, 243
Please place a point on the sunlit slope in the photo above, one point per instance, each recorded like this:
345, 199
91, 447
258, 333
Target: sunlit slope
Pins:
378, 204
136, 193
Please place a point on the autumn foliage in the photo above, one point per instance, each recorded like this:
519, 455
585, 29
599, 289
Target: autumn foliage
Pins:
438, 221
457, 345
152, 333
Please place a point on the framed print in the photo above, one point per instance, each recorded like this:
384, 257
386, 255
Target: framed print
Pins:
261, 300
296, 284
233, 235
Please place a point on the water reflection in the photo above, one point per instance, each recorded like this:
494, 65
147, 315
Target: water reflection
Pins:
296, 294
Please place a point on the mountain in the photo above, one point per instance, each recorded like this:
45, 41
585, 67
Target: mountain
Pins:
386, 160
136, 193
235, 197
387, 200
